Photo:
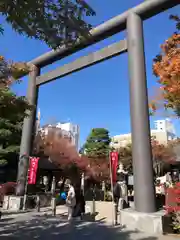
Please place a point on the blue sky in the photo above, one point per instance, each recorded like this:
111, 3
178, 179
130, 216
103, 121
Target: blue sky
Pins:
97, 96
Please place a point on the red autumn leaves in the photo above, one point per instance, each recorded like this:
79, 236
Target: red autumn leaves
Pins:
166, 67
57, 145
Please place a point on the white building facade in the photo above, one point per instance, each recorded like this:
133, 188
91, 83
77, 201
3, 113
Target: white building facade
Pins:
163, 132
73, 130
67, 129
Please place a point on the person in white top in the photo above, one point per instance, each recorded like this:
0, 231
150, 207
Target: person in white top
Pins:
71, 199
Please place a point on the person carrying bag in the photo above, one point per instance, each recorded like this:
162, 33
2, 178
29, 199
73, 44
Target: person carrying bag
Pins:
71, 199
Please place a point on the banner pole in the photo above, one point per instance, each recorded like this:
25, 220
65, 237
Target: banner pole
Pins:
26, 186
111, 179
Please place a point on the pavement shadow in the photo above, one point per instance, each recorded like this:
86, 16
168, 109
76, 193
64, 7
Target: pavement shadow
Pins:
6, 213
89, 217
47, 227
5, 220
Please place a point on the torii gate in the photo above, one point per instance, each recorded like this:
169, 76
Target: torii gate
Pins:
141, 142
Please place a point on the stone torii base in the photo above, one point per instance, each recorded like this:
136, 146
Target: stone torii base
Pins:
145, 222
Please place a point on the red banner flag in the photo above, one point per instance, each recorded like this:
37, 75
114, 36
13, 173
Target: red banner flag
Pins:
33, 166
114, 165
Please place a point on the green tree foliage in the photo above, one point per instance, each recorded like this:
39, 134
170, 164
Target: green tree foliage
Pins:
55, 22
12, 112
97, 143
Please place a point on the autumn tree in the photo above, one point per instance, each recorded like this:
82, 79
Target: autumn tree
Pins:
54, 22
166, 67
163, 156
98, 168
57, 146
96, 150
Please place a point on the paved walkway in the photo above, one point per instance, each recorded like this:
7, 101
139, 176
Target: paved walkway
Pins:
33, 225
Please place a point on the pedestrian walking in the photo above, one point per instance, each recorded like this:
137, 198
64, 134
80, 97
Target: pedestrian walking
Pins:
117, 195
71, 199
79, 208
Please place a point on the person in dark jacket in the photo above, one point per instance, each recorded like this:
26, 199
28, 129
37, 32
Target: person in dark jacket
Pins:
82, 203
117, 193
79, 208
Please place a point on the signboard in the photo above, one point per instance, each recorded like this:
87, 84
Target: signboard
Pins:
131, 180
33, 166
114, 165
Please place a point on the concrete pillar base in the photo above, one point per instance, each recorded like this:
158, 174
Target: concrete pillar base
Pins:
144, 222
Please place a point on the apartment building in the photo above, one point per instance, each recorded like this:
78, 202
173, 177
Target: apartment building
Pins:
163, 132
